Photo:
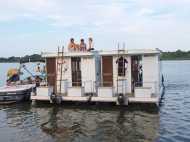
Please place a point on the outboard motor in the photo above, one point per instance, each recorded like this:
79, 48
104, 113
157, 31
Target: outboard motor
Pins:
55, 99
120, 99
33, 91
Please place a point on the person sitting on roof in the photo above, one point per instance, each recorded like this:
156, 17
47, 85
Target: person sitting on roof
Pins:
90, 44
82, 45
72, 45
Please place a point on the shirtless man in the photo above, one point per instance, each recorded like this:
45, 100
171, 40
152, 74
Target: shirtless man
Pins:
72, 45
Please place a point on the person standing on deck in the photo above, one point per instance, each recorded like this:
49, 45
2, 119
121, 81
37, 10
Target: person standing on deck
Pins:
90, 44
82, 45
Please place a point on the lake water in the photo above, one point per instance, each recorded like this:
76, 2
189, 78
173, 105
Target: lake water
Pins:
91, 123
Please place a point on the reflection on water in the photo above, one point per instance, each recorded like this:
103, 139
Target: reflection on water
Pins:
27, 122
175, 111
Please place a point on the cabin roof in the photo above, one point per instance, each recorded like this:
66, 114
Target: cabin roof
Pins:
131, 52
68, 54
111, 52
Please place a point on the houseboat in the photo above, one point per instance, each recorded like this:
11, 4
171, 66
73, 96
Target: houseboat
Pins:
118, 76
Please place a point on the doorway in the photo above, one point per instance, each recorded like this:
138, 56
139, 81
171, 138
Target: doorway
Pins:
107, 71
51, 72
76, 71
136, 71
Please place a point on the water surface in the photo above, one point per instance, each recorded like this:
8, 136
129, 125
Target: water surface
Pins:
91, 123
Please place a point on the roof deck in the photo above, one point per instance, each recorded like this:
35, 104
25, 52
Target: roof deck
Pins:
101, 52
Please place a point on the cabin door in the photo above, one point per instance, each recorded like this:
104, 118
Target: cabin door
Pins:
136, 72
76, 71
51, 71
107, 71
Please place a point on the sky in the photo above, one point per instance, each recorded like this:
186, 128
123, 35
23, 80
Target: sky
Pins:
35, 26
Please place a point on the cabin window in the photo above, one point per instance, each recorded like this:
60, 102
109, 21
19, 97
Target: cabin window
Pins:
76, 71
122, 66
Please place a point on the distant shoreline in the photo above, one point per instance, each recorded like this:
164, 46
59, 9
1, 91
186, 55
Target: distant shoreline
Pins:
44, 61
177, 55
23, 62
175, 60
165, 56
25, 59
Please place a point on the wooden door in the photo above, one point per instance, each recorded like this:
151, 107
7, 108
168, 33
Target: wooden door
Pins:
107, 71
51, 71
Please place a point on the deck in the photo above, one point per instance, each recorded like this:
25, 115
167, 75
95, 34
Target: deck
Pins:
131, 99
143, 100
40, 98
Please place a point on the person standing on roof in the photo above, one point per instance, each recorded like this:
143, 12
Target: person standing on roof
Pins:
82, 45
90, 44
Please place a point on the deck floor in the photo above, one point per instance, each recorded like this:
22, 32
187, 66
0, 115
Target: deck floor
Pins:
143, 100
131, 99
40, 98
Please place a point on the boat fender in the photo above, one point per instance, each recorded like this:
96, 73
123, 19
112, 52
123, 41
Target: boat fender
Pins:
58, 99
120, 99
33, 91
90, 97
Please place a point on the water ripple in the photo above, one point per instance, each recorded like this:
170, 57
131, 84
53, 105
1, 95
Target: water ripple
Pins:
92, 123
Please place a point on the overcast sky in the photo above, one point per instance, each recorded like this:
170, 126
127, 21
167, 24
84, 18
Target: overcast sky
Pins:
32, 26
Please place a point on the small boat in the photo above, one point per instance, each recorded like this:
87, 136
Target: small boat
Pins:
16, 93
18, 90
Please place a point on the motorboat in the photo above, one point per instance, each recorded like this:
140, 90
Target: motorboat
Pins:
16, 93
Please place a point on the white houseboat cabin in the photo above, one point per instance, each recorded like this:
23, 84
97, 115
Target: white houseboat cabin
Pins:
119, 76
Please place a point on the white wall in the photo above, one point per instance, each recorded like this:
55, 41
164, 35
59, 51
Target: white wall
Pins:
66, 75
151, 75
88, 73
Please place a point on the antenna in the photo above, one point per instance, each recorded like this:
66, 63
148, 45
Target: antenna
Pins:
118, 46
123, 45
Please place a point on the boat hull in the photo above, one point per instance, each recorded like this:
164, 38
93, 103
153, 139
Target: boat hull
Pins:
15, 94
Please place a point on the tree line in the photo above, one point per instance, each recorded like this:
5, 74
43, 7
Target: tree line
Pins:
27, 58
175, 55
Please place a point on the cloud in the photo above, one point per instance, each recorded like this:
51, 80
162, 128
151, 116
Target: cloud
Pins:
142, 23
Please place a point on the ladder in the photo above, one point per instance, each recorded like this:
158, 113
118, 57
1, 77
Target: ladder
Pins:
122, 97
60, 62
119, 53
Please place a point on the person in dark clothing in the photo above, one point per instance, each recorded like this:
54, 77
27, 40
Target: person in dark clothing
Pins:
121, 65
38, 81
14, 78
90, 44
82, 45
140, 75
